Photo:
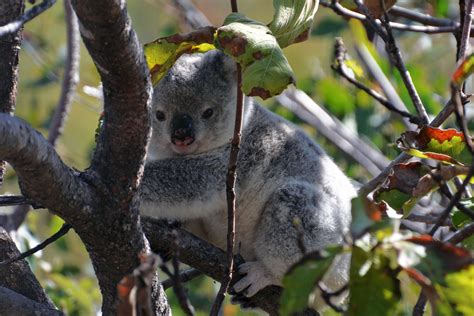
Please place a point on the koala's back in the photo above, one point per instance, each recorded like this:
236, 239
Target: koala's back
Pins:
276, 155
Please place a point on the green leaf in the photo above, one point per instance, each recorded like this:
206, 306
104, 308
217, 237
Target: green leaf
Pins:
459, 290
374, 287
162, 53
292, 20
300, 282
265, 69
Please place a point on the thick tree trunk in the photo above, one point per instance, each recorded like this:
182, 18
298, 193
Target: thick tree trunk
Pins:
9, 49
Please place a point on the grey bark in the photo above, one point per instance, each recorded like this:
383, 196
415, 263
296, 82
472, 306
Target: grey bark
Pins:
18, 276
9, 49
12, 303
101, 203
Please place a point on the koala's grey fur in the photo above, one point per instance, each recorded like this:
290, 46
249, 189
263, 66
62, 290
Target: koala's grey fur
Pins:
282, 175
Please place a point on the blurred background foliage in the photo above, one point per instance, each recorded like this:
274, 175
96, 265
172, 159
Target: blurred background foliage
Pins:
64, 268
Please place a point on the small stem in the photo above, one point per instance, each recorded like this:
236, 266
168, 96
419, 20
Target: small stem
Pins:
231, 197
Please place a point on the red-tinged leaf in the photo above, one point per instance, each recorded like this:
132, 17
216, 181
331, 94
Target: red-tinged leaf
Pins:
464, 70
441, 257
445, 145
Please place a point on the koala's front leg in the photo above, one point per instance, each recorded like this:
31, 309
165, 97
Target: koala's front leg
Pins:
276, 246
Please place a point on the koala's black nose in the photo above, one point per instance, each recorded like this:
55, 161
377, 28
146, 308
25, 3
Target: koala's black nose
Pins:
182, 130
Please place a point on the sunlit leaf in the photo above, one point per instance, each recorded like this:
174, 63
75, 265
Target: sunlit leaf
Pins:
265, 69
302, 279
292, 20
445, 145
373, 285
162, 53
459, 290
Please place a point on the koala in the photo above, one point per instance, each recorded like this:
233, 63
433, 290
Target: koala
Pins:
282, 175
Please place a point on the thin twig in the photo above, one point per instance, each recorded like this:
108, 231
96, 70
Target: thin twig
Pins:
375, 71
27, 16
457, 196
184, 276
71, 77
340, 67
465, 232
178, 288
230, 189
61, 232
420, 306
326, 295
330, 127
394, 52
422, 18
7, 200
344, 12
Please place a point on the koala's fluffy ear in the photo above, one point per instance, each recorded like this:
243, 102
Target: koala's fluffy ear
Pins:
224, 63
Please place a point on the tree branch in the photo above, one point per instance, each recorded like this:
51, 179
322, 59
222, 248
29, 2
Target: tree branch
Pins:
71, 76
43, 177
18, 276
29, 15
342, 11
9, 49
14, 303
113, 45
206, 258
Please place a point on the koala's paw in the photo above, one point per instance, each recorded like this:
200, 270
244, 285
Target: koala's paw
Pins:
256, 278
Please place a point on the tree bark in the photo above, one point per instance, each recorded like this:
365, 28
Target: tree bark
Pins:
101, 203
18, 276
12, 303
9, 49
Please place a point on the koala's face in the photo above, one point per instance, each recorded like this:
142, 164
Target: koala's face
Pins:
194, 106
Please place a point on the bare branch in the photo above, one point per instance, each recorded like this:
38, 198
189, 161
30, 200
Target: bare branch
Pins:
6, 200
12, 302
205, 257
375, 71
422, 18
465, 232
342, 11
340, 67
396, 57
184, 276
43, 176
29, 15
71, 76
303, 106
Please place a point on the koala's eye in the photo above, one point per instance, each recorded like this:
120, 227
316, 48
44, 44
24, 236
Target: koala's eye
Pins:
207, 114
160, 116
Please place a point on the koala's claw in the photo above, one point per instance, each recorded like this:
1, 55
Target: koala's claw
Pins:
256, 278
